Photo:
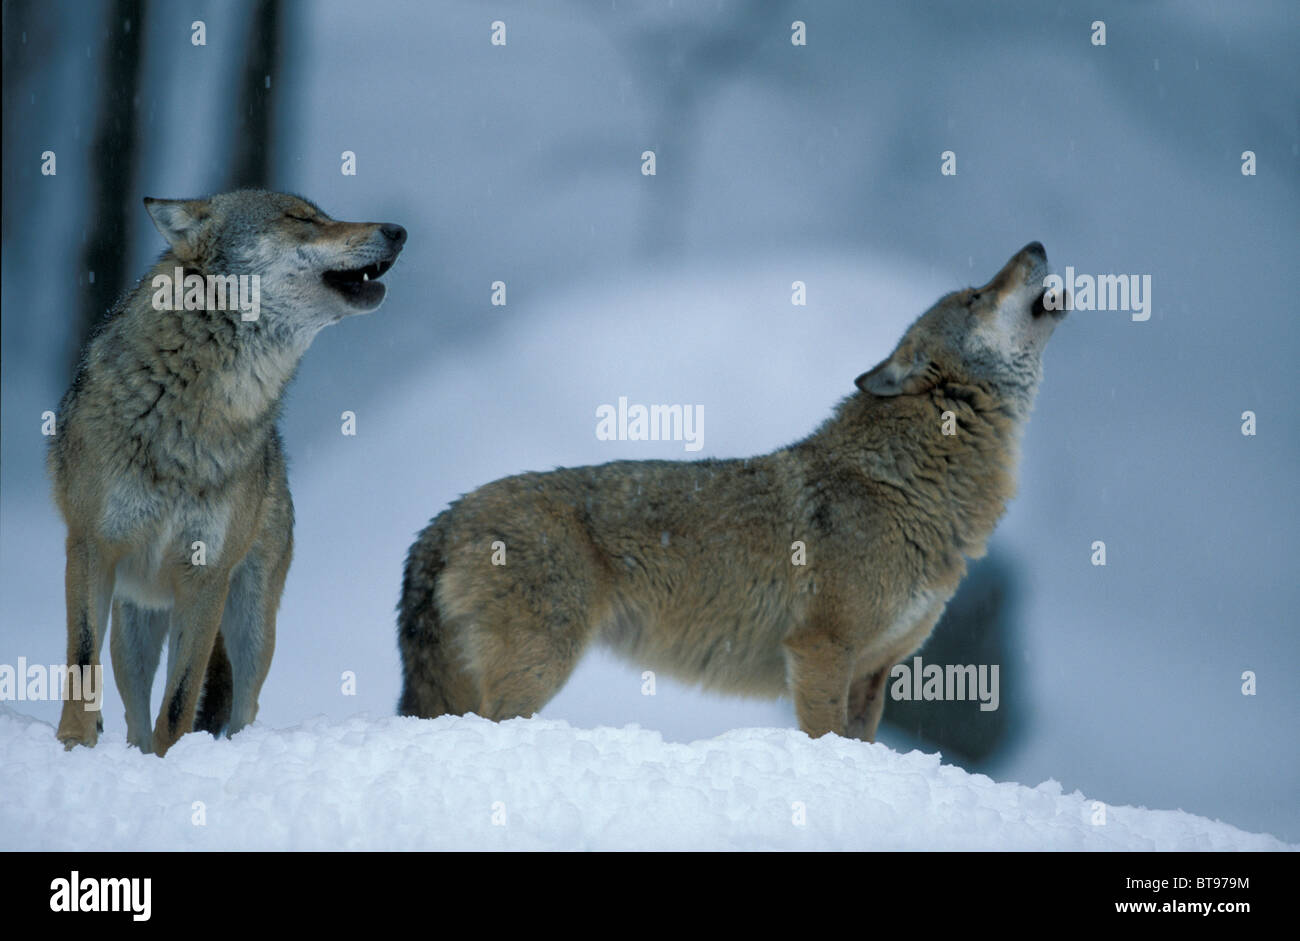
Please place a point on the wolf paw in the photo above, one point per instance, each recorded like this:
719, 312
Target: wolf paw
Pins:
71, 740
858, 727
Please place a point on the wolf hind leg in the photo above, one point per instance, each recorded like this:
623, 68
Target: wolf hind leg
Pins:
524, 659
136, 645
436, 679
497, 639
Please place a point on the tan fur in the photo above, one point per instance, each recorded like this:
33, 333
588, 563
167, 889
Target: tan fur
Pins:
167, 437
687, 568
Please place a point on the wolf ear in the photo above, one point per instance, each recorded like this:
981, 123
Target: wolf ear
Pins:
180, 221
906, 372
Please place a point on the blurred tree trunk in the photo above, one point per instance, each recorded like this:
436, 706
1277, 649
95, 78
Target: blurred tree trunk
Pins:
21, 50
251, 162
681, 62
112, 167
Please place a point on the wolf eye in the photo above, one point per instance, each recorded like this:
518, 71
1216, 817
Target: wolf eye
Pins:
289, 215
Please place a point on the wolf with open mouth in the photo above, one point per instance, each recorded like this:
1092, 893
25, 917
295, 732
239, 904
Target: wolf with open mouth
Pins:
168, 466
807, 572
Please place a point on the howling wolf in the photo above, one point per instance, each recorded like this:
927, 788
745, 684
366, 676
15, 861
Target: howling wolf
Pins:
807, 572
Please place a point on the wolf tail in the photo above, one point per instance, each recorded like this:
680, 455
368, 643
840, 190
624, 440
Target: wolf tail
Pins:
213, 713
434, 682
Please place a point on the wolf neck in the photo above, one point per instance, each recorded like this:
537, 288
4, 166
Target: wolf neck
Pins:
241, 366
961, 479
223, 376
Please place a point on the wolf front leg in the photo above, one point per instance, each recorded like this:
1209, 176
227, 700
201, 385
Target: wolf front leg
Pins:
866, 704
136, 644
88, 586
196, 616
818, 670
867, 693
248, 627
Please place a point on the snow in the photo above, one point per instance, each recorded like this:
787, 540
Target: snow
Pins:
464, 783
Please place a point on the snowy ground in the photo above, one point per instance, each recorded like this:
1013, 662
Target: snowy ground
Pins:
533, 784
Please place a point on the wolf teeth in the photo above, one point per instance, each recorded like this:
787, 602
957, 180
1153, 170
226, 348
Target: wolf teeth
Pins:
365, 276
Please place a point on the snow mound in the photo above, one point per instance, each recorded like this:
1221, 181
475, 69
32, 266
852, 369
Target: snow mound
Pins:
533, 784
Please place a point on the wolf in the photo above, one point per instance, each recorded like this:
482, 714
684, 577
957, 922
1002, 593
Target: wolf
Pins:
167, 463
807, 572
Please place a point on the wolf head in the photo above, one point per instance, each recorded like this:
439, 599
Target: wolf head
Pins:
991, 336
312, 270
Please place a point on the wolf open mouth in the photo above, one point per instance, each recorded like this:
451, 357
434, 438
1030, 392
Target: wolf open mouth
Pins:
1040, 305
360, 286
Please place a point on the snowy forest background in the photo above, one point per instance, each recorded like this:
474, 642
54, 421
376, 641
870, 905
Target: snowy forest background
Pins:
775, 163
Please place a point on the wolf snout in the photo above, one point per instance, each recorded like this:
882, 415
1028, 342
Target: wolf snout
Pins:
395, 234
1030, 265
1025, 267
